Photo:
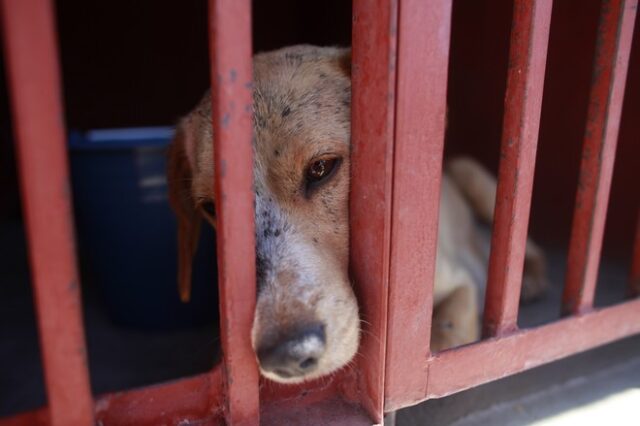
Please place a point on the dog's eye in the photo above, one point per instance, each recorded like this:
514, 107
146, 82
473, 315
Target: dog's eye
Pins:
320, 169
319, 172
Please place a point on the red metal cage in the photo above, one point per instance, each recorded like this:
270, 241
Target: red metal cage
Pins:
399, 108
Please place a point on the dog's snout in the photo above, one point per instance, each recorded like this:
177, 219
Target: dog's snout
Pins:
294, 354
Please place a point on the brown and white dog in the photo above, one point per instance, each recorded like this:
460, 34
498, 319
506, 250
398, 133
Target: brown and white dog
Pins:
306, 322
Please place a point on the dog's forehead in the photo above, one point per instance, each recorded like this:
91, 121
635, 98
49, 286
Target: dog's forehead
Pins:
301, 102
303, 93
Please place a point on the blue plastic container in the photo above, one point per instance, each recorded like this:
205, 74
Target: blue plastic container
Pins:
127, 231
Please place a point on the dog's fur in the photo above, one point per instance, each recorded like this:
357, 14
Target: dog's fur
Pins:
302, 113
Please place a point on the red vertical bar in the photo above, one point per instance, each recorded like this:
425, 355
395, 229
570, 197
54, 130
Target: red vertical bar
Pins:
613, 46
419, 136
231, 80
34, 80
523, 100
634, 279
373, 77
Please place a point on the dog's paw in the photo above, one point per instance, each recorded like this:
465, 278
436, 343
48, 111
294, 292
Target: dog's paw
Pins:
446, 335
455, 320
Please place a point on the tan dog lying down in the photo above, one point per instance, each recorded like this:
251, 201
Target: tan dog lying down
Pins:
306, 322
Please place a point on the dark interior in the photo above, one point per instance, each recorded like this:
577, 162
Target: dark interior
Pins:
145, 63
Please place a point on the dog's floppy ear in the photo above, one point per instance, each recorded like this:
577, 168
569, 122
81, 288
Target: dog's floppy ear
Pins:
179, 177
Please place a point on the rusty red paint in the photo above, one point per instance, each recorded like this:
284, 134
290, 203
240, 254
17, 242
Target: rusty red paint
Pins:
634, 277
178, 402
316, 402
613, 46
500, 357
277, 395
394, 247
200, 400
373, 87
196, 399
34, 80
463, 368
31, 418
231, 83
419, 136
327, 412
523, 101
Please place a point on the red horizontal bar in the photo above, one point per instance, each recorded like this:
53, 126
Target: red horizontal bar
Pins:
183, 400
523, 102
421, 94
31, 56
316, 402
459, 369
501, 357
634, 278
232, 94
199, 399
373, 79
613, 47
32, 418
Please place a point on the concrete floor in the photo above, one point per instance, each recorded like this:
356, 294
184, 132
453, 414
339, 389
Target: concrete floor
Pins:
605, 382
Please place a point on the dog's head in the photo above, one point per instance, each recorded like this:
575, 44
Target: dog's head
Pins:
306, 321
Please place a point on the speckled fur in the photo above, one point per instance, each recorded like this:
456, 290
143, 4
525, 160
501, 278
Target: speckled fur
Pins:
302, 100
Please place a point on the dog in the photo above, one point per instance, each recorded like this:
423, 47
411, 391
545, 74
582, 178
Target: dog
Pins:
306, 322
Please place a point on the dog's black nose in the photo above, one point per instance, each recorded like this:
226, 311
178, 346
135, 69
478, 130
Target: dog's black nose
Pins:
295, 354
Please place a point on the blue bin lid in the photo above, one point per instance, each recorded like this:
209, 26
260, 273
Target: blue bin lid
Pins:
124, 138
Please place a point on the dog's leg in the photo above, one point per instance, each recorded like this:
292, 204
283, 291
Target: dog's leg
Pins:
476, 184
455, 319
479, 188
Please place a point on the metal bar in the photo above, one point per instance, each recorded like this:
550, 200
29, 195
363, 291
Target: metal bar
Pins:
30, 418
634, 278
180, 402
613, 46
31, 54
504, 356
523, 100
231, 81
421, 94
373, 80
200, 399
